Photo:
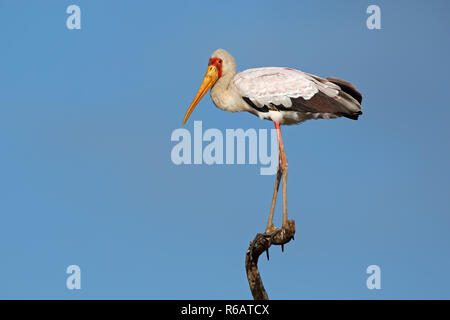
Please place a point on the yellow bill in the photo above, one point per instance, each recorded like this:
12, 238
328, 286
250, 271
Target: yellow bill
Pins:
212, 74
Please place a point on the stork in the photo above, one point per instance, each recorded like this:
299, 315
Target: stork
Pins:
284, 95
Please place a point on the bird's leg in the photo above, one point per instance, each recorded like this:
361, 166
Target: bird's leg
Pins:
270, 227
284, 169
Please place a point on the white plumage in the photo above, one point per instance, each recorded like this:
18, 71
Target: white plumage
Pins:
283, 95
265, 86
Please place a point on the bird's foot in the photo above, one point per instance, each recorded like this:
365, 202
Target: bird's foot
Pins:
277, 236
289, 229
285, 234
271, 230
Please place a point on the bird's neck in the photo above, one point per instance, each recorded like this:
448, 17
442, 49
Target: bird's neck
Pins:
221, 93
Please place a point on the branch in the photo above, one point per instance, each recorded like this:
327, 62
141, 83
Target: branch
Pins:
261, 243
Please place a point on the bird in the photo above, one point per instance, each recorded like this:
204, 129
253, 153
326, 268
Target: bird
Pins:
283, 95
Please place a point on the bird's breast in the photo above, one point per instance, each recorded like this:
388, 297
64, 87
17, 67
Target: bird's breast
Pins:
228, 99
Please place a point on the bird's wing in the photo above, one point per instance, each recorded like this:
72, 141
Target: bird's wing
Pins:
287, 89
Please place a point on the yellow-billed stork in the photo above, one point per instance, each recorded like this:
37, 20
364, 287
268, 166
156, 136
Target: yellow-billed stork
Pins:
283, 95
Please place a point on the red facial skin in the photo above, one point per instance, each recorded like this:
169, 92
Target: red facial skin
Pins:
217, 62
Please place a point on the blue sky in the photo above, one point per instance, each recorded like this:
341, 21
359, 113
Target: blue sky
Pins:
86, 176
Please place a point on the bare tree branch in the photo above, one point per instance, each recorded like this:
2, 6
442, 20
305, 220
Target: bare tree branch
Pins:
261, 243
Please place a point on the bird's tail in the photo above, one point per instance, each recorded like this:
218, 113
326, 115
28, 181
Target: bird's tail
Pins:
347, 87
350, 90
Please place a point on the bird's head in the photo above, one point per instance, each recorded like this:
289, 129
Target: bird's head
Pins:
220, 64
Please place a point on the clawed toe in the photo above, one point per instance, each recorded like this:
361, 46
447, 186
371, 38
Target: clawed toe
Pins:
271, 229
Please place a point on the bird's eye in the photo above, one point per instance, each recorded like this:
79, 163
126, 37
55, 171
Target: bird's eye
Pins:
220, 61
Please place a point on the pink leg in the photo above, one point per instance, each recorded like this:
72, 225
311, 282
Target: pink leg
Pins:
282, 172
